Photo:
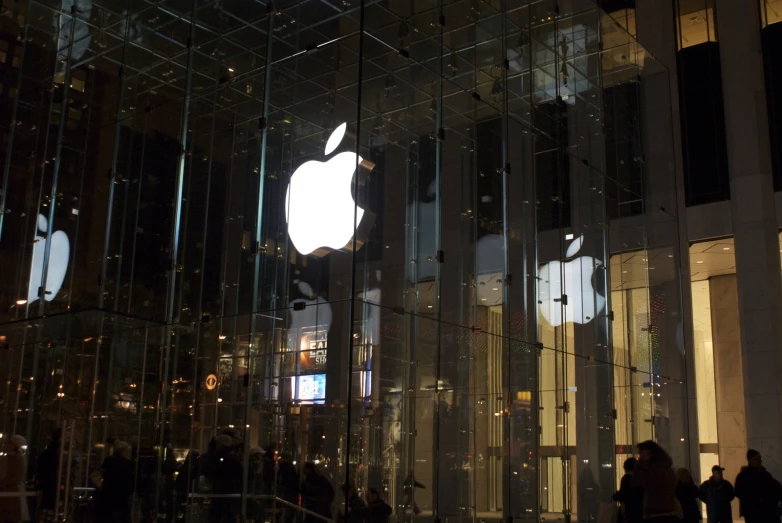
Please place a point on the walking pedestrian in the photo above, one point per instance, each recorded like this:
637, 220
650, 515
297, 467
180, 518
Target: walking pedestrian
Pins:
118, 485
353, 502
14, 508
688, 494
317, 493
409, 486
758, 492
717, 493
287, 486
631, 498
654, 474
46, 480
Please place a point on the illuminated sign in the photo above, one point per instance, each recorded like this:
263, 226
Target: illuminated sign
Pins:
319, 205
211, 382
315, 357
583, 302
310, 388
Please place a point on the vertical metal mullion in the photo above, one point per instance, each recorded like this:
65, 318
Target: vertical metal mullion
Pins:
438, 269
81, 186
117, 129
194, 401
142, 157
507, 331
140, 411
256, 252
353, 257
174, 248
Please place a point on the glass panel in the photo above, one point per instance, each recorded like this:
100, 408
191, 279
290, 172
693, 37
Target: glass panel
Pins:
260, 262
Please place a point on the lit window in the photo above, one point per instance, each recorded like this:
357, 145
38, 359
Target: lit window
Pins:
695, 22
770, 11
3, 51
78, 80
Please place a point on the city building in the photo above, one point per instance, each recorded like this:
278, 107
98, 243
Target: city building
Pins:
469, 253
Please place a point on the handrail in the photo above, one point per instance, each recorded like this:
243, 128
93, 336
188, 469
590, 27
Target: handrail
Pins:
262, 496
31, 494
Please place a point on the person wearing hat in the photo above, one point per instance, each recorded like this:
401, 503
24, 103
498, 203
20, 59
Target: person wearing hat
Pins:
717, 493
758, 492
14, 508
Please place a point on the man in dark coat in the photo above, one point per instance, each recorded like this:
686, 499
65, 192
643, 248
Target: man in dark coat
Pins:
118, 485
717, 493
758, 491
317, 494
287, 486
46, 479
631, 498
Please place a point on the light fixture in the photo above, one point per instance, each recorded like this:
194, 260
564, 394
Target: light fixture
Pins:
222, 336
21, 302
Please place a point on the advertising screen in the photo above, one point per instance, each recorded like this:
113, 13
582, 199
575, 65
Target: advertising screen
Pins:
311, 388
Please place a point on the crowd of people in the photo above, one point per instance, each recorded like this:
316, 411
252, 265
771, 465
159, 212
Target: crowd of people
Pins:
267, 489
270, 489
652, 492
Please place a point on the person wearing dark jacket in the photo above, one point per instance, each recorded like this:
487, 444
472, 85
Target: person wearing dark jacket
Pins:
225, 475
717, 493
118, 485
287, 486
375, 511
687, 493
353, 501
46, 479
631, 498
654, 475
758, 491
317, 494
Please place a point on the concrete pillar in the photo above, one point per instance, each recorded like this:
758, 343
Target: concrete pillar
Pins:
754, 225
728, 377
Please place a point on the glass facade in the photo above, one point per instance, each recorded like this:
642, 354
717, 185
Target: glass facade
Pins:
427, 243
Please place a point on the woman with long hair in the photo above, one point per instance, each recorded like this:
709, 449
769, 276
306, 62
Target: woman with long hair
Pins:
654, 474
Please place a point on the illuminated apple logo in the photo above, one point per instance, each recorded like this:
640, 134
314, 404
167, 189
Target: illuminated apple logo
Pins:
59, 254
583, 301
319, 205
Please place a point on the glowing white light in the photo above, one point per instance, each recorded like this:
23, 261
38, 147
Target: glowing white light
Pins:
59, 255
319, 206
335, 139
583, 301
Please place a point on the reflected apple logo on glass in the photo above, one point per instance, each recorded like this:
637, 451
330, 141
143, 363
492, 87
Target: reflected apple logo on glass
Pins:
316, 315
319, 205
583, 301
59, 255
